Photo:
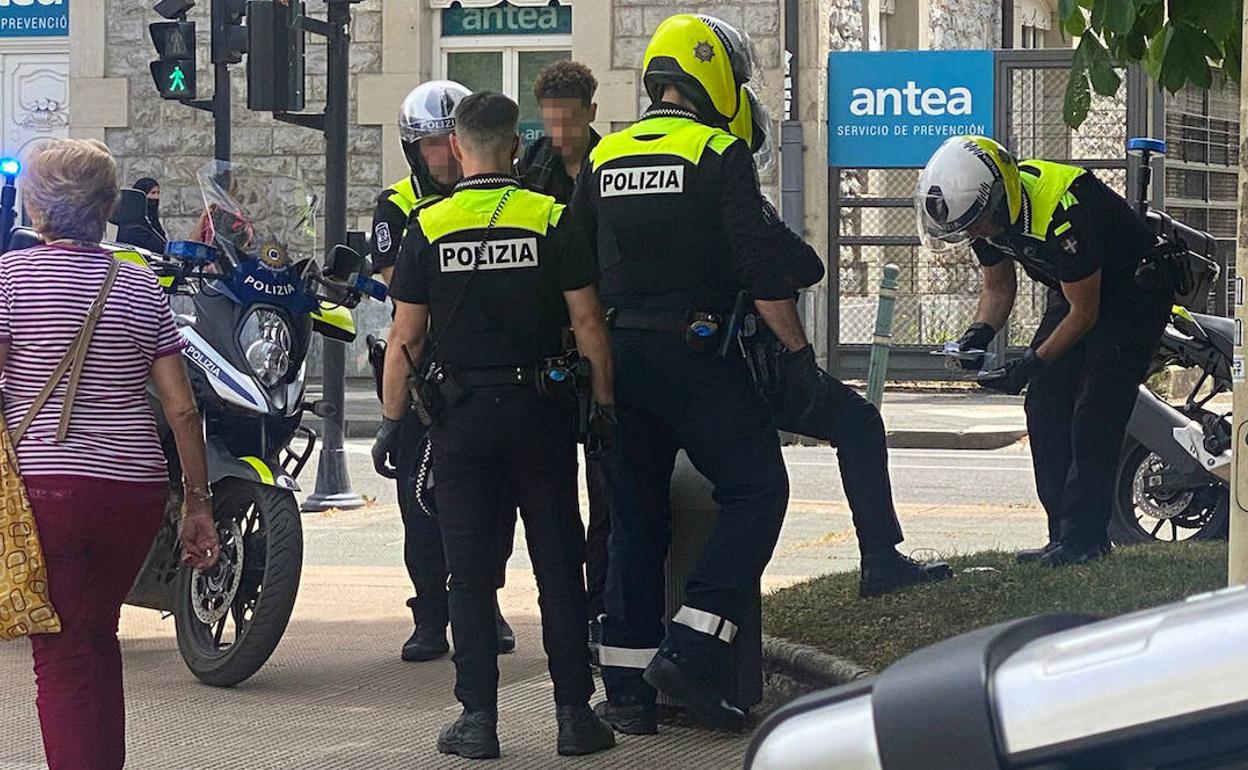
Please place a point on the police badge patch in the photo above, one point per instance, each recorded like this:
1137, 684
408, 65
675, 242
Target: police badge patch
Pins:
703, 52
381, 234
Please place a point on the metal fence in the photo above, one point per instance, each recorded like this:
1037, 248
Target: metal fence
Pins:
871, 221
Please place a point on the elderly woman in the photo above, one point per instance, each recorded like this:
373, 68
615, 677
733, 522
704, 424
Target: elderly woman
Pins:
99, 492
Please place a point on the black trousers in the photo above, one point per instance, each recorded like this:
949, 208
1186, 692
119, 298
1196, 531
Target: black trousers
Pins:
499, 437
670, 398
853, 425
1078, 409
422, 538
596, 535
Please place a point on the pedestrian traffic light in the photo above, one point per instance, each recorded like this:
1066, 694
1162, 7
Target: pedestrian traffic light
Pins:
174, 71
229, 37
275, 63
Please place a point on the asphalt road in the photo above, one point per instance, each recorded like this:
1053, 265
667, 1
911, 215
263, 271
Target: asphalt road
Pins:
948, 502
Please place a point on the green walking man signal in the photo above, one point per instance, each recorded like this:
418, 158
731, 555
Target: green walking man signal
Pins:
177, 80
174, 72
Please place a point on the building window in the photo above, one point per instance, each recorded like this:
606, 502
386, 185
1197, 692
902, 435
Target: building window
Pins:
1033, 37
503, 48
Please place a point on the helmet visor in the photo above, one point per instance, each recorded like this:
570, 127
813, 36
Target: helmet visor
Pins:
429, 110
936, 230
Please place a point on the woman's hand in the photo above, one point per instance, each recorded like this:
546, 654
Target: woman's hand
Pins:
198, 534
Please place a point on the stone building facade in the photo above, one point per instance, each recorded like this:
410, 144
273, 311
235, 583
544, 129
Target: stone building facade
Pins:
396, 44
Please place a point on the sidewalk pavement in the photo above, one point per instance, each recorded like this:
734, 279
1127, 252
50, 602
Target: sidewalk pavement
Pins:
335, 695
961, 419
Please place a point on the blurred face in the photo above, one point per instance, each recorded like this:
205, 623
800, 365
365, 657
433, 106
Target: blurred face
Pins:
436, 151
154, 193
984, 227
567, 121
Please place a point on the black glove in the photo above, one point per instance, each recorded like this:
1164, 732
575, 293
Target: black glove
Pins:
977, 337
1015, 375
600, 430
800, 377
383, 448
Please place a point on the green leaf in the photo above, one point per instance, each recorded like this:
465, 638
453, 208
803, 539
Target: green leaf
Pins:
1151, 19
1119, 16
1078, 99
1065, 8
1133, 47
1174, 66
1093, 57
1075, 24
1157, 52
1099, 11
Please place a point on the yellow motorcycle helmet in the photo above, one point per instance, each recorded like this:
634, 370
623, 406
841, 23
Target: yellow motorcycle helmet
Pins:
968, 179
706, 58
752, 125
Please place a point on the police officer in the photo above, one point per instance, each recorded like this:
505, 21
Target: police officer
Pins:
1100, 327
675, 207
565, 95
426, 121
496, 272
839, 415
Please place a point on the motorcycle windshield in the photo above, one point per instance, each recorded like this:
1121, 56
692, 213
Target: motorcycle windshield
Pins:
265, 226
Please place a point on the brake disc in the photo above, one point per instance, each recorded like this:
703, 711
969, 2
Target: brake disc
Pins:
213, 590
1153, 505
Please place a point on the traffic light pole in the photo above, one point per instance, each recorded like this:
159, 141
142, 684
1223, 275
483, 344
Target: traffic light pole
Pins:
333, 482
221, 111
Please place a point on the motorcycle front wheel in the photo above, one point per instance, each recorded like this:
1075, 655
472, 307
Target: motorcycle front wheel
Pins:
1144, 515
230, 618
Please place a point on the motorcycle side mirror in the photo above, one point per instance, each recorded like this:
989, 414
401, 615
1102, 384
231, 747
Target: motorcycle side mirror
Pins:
130, 208
343, 262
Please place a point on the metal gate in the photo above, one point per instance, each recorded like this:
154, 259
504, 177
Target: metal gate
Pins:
871, 221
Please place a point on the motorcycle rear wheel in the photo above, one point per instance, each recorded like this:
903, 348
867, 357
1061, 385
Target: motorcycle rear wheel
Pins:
1199, 513
251, 592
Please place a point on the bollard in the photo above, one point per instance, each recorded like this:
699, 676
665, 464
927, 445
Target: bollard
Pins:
883, 339
693, 517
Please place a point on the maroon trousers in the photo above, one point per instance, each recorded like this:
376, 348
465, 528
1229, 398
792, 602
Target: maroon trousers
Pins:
95, 535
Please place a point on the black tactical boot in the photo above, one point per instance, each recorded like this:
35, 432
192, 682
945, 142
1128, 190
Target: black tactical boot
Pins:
629, 718
580, 732
506, 637
1033, 555
1069, 554
428, 641
665, 675
473, 736
889, 571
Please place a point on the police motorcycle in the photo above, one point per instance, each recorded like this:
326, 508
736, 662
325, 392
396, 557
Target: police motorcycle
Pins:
256, 296
1173, 480
1162, 689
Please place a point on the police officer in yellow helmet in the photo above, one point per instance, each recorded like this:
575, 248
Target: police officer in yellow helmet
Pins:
1084, 242
426, 122
840, 416
674, 208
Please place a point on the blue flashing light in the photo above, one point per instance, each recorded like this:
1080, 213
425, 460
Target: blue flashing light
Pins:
10, 166
704, 330
1146, 144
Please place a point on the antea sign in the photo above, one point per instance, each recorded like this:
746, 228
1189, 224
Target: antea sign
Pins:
892, 109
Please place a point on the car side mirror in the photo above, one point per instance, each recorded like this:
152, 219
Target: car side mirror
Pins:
130, 208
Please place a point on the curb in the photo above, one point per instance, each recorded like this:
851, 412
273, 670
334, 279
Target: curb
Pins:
973, 438
809, 666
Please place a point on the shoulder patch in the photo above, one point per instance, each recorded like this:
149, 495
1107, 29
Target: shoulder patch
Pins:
1068, 244
381, 236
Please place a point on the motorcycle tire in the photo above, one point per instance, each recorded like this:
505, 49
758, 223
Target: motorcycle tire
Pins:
1205, 516
258, 598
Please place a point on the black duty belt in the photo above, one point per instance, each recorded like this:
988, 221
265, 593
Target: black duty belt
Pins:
493, 376
671, 321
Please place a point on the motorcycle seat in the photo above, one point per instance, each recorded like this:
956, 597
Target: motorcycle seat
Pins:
23, 238
1221, 331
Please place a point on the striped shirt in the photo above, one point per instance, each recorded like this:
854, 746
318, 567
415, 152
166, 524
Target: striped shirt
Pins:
45, 292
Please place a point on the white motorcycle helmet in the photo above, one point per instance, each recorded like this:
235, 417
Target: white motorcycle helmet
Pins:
429, 110
967, 179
